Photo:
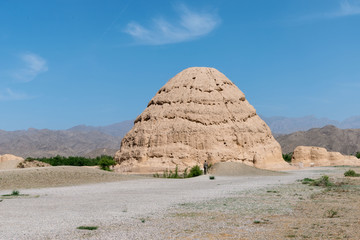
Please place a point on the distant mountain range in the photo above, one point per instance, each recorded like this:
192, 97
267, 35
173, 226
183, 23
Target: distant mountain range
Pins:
47, 143
92, 141
285, 125
80, 140
116, 130
345, 141
278, 125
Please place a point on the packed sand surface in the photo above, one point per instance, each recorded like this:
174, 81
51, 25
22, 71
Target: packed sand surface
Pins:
229, 207
56, 176
240, 169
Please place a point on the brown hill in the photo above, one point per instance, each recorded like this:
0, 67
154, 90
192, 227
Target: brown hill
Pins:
345, 141
100, 151
198, 115
47, 143
116, 130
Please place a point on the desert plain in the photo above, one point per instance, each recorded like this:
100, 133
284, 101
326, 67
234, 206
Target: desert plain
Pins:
237, 204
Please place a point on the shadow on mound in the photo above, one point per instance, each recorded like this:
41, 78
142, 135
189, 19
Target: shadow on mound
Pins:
239, 169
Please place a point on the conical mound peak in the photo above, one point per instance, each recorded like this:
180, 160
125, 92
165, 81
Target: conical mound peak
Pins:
198, 115
196, 94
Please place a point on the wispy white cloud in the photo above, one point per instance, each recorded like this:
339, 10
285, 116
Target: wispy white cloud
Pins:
34, 65
348, 8
10, 95
345, 8
191, 25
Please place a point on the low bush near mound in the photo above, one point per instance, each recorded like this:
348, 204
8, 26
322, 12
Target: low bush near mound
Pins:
357, 154
351, 173
105, 163
287, 157
194, 172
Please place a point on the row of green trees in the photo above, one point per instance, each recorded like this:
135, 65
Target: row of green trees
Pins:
103, 161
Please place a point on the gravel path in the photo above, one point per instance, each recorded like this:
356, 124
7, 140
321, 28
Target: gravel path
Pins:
119, 209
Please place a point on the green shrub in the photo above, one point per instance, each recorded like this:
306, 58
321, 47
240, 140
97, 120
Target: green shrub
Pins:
195, 171
212, 177
351, 173
287, 157
87, 227
176, 174
357, 154
15, 193
169, 174
307, 181
185, 173
323, 182
105, 163
331, 213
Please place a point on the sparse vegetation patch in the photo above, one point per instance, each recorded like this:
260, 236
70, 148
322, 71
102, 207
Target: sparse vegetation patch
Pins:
331, 213
87, 228
194, 172
351, 173
307, 181
287, 157
13, 194
323, 181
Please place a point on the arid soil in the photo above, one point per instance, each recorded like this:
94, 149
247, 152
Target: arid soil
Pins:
56, 176
290, 211
228, 207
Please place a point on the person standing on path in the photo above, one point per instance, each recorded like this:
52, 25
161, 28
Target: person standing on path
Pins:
205, 167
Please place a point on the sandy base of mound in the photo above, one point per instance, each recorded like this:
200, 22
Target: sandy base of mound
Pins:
239, 169
56, 176
10, 164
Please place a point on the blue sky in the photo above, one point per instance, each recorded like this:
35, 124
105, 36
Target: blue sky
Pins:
70, 62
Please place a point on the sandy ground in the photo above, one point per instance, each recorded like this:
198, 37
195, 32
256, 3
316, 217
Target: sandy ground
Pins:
56, 176
229, 207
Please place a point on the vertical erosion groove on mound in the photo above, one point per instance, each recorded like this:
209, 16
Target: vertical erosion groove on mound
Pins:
198, 115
